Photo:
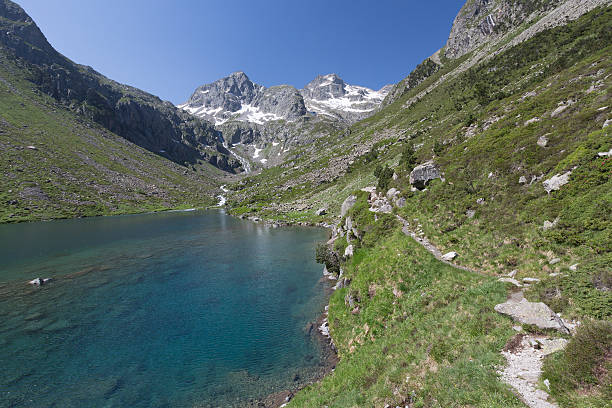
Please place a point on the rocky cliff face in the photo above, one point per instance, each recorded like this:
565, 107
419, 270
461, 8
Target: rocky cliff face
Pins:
237, 98
139, 117
480, 20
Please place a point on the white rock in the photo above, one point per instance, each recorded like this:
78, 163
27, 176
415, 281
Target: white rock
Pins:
542, 141
512, 273
573, 267
449, 256
512, 281
532, 120
348, 251
556, 181
522, 180
607, 123
605, 154
530, 280
554, 261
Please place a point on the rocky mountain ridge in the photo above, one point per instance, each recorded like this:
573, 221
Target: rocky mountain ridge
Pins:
237, 98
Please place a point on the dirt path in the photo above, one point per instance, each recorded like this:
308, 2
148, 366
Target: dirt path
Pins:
524, 361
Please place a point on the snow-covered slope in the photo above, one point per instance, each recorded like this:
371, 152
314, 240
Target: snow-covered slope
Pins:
329, 95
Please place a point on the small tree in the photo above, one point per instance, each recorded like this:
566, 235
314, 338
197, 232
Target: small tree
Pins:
438, 147
384, 175
408, 157
325, 255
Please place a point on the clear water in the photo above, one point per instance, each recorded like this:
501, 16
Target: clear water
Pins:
183, 309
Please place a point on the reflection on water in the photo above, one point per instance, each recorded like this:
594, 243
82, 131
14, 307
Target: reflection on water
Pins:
176, 309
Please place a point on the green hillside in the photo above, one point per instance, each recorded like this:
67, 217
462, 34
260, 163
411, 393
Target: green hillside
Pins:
57, 164
481, 128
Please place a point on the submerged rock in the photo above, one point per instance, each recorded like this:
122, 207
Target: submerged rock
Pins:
40, 281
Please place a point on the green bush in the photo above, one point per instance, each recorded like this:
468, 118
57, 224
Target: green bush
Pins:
580, 376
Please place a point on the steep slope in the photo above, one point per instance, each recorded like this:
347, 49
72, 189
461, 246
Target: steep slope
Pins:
136, 115
55, 163
521, 140
57, 157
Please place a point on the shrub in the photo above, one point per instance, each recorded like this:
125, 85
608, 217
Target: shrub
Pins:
325, 255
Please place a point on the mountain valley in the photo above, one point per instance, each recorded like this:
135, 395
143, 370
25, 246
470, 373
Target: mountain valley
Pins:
482, 177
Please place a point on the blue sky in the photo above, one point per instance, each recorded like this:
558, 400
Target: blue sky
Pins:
169, 48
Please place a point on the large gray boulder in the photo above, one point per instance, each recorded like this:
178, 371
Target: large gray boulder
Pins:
538, 314
422, 174
347, 205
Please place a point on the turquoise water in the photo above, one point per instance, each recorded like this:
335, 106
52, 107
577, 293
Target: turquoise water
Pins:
182, 309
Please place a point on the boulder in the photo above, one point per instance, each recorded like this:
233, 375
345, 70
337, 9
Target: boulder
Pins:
423, 174
470, 213
530, 281
556, 181
392, 193
400, 202
542, 141
554, 261
527, 312
348, 252
347, 205
522, 180
449, 256
321, 211
573, 267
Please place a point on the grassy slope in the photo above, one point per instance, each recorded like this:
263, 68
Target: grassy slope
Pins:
477, 122
79, 168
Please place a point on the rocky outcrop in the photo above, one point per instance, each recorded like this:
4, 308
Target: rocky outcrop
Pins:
423, 71
422, 174
347, 205
479, 21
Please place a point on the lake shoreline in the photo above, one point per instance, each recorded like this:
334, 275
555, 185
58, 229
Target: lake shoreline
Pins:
329, 359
